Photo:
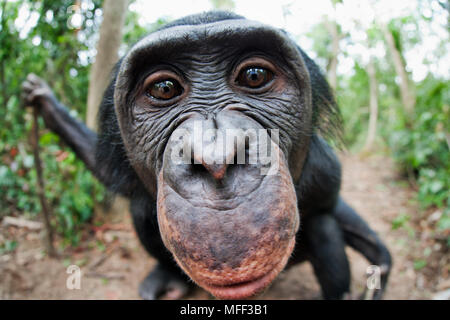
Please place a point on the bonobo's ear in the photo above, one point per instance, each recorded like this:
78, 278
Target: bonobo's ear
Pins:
111, 158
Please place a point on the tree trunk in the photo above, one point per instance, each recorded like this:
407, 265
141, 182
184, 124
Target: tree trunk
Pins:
332, 64
371, 133
407, 95
114, 12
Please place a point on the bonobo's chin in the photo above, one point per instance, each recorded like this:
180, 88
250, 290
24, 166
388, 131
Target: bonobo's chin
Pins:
251, 286
234, 236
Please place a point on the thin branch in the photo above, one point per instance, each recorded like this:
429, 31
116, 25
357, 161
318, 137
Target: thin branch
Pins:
40, 184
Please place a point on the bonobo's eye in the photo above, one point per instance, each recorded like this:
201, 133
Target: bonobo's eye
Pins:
254, 77
164, 89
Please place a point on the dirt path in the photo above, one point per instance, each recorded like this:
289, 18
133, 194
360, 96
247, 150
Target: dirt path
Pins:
370, 186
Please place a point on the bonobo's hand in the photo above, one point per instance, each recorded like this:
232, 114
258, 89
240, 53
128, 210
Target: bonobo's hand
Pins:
36, 92
162, 283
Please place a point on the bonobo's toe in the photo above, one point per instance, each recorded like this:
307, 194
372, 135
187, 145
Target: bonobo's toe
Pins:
163, 283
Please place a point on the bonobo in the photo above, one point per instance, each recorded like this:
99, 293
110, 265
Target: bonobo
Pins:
210, 210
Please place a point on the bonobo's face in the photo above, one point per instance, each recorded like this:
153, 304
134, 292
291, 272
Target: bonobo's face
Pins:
190, 101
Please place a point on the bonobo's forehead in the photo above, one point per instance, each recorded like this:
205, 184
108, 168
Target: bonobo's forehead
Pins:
222, 33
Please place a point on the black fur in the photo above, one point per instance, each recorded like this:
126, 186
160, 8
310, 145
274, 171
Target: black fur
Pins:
328, 223
111, 158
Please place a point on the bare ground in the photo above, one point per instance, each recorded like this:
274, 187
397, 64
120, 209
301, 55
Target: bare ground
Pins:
113, 262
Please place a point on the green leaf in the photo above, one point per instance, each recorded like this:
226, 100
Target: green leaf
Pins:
400, 221
420, 264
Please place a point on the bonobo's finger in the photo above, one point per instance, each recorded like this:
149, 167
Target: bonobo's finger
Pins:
34, 87
37, 93
34, 79
36, 82
27, 87
24, 98
30, 93
25, 95
176, 289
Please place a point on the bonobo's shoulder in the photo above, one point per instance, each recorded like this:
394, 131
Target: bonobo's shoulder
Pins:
320, 149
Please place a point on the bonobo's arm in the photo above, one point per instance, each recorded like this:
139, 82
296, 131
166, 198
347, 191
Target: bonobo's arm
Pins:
80, 138
328, 221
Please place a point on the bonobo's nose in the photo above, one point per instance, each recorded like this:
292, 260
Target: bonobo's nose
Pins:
214, 153
216, 147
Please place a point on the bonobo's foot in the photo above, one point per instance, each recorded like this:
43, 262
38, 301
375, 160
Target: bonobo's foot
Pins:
33, 89
164, 283
381, 278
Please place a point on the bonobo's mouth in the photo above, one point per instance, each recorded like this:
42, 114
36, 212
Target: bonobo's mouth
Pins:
246, 289
237, 252
230, 227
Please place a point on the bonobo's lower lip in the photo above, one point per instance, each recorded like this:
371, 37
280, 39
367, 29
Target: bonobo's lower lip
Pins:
249, 288
241, 290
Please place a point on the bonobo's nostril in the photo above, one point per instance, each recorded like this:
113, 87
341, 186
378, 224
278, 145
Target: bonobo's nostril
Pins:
216, 168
